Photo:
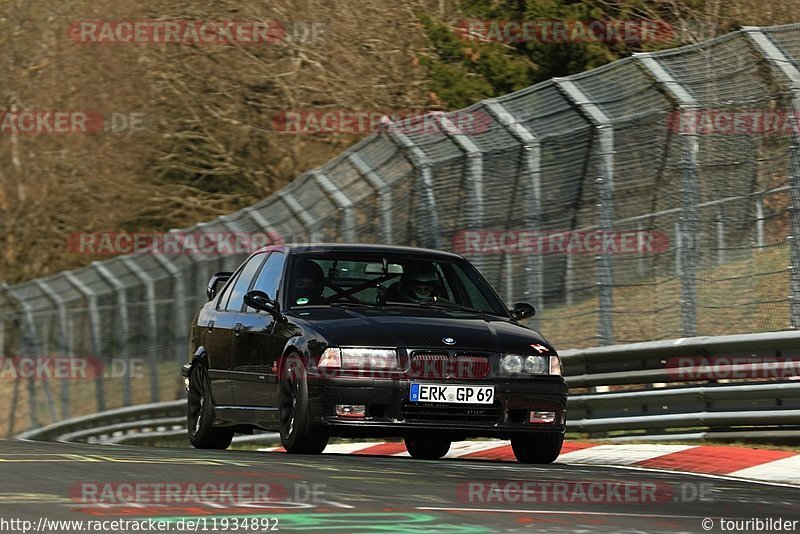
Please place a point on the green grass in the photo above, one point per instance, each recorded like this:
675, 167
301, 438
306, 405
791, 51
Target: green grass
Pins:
749, 295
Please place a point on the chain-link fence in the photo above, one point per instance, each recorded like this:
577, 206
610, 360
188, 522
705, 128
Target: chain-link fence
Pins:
656, 197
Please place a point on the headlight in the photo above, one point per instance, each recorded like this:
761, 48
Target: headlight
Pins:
359, 358
512, 363
536, 365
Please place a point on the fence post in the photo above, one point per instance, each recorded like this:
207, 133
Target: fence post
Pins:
605, 193
531, 176
94, 333
299, 213
474, 179
121, 330
775, 55
181, 321
686, 235
429, 234
152, 322
63, 344
30, 348
720, 237
234, 228
760, 222
384, 195
347, 223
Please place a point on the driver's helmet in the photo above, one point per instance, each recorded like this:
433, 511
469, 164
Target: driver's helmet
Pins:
307, 283
419, 282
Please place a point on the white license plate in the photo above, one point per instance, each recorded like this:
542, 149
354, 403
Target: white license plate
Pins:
452, 393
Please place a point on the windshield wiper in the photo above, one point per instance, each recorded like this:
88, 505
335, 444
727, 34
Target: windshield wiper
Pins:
447, 305
351, 303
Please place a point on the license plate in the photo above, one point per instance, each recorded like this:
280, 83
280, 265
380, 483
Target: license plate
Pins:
452, 393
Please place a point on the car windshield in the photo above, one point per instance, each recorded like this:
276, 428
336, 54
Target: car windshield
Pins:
362, 280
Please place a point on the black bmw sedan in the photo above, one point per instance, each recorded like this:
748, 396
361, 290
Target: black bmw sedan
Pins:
370, 341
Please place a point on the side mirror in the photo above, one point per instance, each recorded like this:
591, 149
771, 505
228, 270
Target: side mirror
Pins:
259, 300
216, 282
522, 310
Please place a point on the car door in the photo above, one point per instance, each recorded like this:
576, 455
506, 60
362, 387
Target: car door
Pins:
255, 352
219, 330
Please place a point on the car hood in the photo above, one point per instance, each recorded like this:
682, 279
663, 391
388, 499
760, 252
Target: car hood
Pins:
419, 328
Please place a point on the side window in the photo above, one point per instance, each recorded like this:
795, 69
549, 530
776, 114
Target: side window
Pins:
226, 292
476, 297
243, 283
269, 279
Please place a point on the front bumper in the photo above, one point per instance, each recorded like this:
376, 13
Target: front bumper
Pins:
389, 413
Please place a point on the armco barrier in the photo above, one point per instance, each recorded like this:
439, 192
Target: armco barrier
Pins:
734, 404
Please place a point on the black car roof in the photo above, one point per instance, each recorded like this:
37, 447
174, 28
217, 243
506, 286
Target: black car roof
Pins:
304, 248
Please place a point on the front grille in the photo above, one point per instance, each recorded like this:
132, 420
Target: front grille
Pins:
448, 412
443, 364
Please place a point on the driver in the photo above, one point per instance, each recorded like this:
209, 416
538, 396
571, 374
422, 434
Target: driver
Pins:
419, 283
307, 283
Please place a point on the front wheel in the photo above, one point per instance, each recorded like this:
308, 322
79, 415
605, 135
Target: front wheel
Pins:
427, 447
537, 448
298, 436
200, 413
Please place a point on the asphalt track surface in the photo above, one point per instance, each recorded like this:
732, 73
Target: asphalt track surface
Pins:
348, 493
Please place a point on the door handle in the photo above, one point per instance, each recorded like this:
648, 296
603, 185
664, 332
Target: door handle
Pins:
237, 329
210, 326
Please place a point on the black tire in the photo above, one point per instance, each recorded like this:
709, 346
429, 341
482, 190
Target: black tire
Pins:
200, 413
537, 448
298, 436
427, 447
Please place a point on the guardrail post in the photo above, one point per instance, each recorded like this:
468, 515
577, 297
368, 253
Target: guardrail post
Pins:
384, 196
605, 194
64, 348
428, 229
94, 333
121, 330
686, 235
775, 55
152, 323
347, 223
531, 177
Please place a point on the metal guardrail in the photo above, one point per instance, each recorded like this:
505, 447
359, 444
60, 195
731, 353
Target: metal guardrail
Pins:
737, 387
103, 427
658, 396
